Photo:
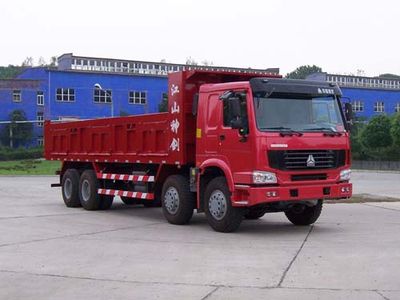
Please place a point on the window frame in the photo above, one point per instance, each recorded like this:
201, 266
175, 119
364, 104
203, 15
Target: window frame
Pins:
358, 106
40, 119
141, 99
17, 96
66, 95
104, 96
379, 106
40, 95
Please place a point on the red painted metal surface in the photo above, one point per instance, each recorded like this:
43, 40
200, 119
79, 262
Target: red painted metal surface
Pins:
126, 177
128, 194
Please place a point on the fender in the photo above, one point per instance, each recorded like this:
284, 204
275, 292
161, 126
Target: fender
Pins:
214, 162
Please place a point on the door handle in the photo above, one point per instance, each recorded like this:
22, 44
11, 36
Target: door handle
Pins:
222, 137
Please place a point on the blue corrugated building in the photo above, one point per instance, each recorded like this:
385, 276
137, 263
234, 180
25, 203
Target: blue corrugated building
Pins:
369, 96
69, 90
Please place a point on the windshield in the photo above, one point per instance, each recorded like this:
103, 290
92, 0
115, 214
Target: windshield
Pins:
303, 114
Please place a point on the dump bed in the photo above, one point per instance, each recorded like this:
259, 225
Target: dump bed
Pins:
125, 139
153, 138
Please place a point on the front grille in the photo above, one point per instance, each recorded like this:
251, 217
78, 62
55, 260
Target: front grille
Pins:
305, 177
306, 159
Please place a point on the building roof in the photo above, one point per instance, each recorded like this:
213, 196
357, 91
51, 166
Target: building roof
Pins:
68, 61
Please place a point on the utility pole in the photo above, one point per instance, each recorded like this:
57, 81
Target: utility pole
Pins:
11, 137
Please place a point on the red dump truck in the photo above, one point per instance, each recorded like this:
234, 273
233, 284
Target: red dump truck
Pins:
232, 145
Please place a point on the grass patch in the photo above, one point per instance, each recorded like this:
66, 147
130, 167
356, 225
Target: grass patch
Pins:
29, 167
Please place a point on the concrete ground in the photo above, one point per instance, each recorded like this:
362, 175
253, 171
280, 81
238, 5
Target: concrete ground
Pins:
48, 251
376, 184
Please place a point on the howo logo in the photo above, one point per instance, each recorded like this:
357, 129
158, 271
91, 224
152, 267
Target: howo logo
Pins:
310, 161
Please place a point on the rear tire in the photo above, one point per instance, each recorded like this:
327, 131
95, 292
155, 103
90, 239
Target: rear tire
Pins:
301, 214
70, 188
178, 202
88, 186
221, 215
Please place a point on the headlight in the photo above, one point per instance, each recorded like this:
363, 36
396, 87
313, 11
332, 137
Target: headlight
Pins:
264, 177
345, 175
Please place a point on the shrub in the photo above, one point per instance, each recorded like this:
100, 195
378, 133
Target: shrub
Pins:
20, 153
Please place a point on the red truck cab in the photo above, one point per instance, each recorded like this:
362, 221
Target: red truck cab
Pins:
232, 145
283, 145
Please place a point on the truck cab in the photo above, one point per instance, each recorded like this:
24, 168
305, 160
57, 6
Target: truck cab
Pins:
280, 144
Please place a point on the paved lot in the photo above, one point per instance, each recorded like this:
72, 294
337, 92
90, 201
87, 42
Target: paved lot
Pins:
377, 184
48, 251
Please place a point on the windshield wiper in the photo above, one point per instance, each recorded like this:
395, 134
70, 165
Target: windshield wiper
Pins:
326, 130
284, 131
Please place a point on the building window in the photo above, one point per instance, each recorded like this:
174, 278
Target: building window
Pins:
137, 97
358, 106
40, 119
65, 95
397, 107
17, 96
379, 106
102, 96
40, 141
40, 98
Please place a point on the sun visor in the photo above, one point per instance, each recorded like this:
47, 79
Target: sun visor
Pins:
265, 87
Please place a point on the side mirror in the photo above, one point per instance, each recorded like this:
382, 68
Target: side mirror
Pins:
348, 113
234, 106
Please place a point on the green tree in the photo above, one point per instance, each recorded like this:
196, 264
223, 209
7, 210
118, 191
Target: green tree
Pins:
10, 72
376, 136
17, 134
389, 76
303, 71
395, 129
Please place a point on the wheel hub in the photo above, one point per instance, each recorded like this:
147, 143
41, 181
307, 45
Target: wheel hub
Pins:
217, 205
171, 200
68, 188
86, 190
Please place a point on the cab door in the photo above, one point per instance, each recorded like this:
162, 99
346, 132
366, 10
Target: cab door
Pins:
235, 146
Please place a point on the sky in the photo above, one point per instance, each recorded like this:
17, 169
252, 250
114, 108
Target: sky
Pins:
339, 36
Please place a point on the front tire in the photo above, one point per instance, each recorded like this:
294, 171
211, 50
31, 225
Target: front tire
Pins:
70, 188
221, 215
301, 214
177, 201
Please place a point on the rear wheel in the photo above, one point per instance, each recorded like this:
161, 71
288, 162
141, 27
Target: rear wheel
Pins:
177, 201
70, 188
88, 186
221, 215
301, 214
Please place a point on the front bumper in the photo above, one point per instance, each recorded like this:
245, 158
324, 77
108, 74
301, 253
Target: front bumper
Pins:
245, 195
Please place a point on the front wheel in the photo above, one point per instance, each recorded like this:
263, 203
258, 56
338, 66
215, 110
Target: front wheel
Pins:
221, 215
301, 214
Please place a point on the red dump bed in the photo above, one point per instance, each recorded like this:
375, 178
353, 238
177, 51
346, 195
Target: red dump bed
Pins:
124, 139
155, 138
